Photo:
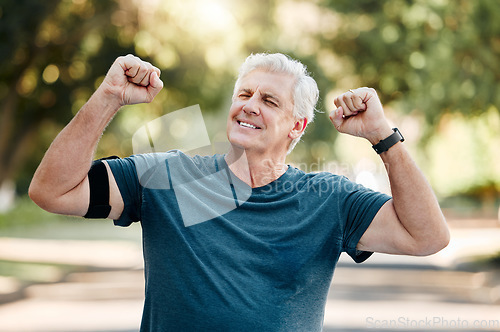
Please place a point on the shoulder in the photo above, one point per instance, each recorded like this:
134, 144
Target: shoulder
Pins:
153, 170
324, 181
315, 177
152, 160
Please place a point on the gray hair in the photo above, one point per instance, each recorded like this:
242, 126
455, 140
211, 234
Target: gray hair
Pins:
306, 93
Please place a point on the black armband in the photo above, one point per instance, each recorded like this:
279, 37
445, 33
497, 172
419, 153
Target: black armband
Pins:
99, 190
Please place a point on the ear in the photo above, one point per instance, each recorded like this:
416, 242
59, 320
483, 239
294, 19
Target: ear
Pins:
298, 128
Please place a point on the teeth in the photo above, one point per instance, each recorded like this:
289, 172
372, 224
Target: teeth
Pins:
244, 124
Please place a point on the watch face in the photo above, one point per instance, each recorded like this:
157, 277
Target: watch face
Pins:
402, 137
385, 144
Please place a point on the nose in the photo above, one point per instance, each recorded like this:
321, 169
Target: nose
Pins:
252, 106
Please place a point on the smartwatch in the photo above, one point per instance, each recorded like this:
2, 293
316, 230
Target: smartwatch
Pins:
387, 143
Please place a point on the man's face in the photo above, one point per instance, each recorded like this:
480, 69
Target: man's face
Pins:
261, 116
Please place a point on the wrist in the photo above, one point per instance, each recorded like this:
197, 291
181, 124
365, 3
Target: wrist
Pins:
387, 143
107, 101
379, 135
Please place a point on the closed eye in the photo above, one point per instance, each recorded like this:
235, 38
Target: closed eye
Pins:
244, 96
271, 102
271, 99
245, 93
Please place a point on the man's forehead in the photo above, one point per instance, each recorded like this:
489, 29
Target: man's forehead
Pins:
273, 83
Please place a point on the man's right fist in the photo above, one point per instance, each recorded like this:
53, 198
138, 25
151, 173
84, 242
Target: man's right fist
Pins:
132, 81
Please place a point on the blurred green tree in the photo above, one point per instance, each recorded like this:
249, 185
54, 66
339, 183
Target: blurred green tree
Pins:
425, 57
51, 53
435, 57
431, 59
53, 61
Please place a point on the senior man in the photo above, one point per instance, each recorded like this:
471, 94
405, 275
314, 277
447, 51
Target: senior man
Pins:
260, 261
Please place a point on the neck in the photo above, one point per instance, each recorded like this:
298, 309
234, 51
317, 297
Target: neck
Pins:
254, 169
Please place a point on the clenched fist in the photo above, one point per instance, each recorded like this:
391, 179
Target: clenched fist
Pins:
132, 81
360, 113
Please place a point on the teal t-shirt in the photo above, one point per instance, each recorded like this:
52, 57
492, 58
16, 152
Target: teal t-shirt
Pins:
222, 256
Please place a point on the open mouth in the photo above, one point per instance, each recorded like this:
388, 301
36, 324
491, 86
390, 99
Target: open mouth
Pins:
247, 125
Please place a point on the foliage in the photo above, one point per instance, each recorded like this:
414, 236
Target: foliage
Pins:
433, 56
50, 63
426, 58
430, 60
55, 59
469, 162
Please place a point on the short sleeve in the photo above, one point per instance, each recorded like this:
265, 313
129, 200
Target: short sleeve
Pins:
125, 173
358, 207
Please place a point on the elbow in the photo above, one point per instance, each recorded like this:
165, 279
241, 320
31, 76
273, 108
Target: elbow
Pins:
433, 248
33, 192
36, 195
40, 197
434, 243
70, 203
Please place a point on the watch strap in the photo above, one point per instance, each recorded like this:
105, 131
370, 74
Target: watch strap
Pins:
387, 143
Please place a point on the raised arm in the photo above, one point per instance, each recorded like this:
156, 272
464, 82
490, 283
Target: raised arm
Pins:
60, 184
412, 222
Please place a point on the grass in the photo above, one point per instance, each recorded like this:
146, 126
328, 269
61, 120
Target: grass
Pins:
27, 213
27, 220
493, 261
34, 272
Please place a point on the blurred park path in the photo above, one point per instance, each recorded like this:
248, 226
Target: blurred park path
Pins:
103, 290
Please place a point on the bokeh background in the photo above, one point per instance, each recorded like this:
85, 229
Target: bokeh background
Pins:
434, 63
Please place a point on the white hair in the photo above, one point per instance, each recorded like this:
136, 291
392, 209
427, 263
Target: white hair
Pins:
305, 94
